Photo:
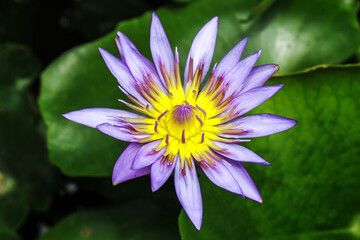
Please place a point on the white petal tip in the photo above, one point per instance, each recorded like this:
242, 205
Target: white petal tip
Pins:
104, 53
154, 188
294, 122
276, 66
70, 116
196, 220
197, 225
278, 87
243, 42
114, 179
213, 22
120, 34
257, 199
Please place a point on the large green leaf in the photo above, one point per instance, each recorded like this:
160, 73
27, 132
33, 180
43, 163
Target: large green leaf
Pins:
300, 34
311, 190
79, 78
26, 177
137, 220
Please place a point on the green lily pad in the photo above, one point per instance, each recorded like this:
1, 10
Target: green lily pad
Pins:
79, 78
301, 34
137, 220
26, 176
310, 191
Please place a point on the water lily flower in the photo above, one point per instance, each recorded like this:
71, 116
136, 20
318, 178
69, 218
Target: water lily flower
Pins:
179, 125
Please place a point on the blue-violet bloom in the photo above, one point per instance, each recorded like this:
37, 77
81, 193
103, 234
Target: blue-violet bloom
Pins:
181, 125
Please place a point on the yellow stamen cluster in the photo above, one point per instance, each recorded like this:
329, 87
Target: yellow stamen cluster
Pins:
185, 120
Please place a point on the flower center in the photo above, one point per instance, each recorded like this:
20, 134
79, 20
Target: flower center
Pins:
184, 122
183, 114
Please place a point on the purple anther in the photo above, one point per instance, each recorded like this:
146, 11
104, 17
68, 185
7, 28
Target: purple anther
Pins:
201, 122
201, 110
202, 137
156, 125
162, 115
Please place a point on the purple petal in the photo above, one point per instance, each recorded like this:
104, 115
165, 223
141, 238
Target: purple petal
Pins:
202, 48
237, 152
236, 77
147, 155
254, 97
244, 180
160, 173
258, 76
222, 177
231, 58
139, 65
260, 125
122, 169
160, 47
118, 45
93, 117
118, 69
118, 132
122, 73
188, 191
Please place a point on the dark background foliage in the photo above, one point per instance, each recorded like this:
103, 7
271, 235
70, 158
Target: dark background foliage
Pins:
55, 175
